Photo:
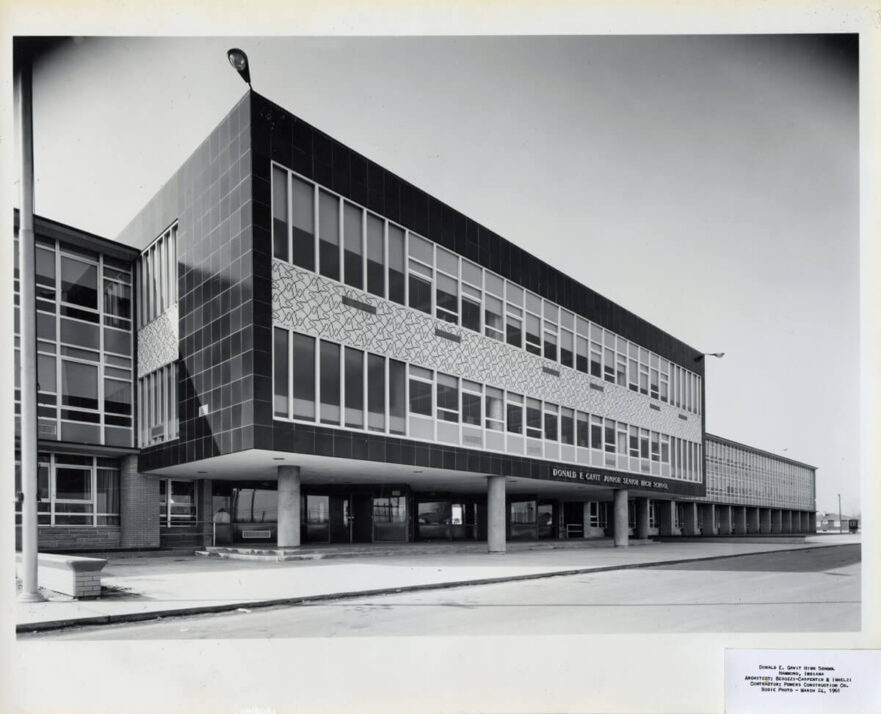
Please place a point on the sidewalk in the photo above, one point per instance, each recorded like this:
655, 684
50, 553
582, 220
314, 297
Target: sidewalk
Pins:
140, 588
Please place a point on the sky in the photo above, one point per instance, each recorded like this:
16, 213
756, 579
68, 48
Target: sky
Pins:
709, 184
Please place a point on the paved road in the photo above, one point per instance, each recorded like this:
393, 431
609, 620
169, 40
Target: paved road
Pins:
798, 591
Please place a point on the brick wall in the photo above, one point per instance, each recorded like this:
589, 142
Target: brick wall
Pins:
51, 538
138, 506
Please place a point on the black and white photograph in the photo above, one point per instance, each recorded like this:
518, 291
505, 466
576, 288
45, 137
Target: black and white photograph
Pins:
434, 371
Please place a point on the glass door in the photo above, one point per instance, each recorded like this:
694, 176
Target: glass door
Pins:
317, 519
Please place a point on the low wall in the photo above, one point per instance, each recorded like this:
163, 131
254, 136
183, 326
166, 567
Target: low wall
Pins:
74, 538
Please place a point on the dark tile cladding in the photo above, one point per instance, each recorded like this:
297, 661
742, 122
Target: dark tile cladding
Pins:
220, 309
280, 136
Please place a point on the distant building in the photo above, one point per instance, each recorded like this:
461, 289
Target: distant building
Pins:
293, 335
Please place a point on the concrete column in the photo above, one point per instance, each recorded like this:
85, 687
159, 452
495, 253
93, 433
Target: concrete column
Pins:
787, 521
642, 518
796, 522
206, 511
752, 516
765, 520
689, 520
495, 514
725, 522
621, 525
776, 521
138, 506
812, 522
709, 514
585, 510
666, 519
288, 506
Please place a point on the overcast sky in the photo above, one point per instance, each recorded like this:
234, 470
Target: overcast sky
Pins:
708, 184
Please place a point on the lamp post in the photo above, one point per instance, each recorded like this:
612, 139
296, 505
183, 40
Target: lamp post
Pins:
840, 519
28, 335
700, 357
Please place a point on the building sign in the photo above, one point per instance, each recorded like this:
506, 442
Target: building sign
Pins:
609, 479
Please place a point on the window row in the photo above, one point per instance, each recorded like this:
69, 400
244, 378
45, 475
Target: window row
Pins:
74, 490
81, 401
318, 380
158, 406
320, 231
156, 277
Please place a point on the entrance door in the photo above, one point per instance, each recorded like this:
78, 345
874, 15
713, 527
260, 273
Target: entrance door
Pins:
362, 518
340, 523
317, 519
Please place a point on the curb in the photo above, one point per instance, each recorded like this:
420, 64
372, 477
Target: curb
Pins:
329, 597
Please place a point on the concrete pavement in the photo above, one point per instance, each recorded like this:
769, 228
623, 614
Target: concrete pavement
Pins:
176, 584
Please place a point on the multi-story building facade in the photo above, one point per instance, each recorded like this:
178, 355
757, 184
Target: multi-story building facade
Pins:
324, 353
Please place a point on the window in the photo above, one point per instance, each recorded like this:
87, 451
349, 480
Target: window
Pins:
596, 433
375, 392
74, 490
375, 256
472, 281
421, 264
329, 235
279, 213
515, 413
551, 317
596, 352
304, 377
354, 388
551, 414
177, 502
157, 277
353, 250
329, 371
567, 350
280, 367
447, 290
582, 431
421, 383
472, 394
157, 397
492, 317
396, 267
79, 284
303, 229
397, 372
621, 363
447, 397
608, 356
533, 418
533, 323
495, 415
494, 287
567, 425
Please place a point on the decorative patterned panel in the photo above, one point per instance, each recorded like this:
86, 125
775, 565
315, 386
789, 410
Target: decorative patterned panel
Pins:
312, 304
157, 342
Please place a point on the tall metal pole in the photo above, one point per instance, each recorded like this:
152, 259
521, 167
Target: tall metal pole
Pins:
28, 344
840, 519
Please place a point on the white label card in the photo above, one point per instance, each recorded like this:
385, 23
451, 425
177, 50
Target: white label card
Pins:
803, 681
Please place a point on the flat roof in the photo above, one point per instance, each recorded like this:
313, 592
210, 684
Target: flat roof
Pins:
740, 445
48, 228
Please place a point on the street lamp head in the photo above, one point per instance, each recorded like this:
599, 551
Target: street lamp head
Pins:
239, 61
709, 354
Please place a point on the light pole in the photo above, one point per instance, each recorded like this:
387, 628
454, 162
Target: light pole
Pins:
28, 346
840, 519
700, 357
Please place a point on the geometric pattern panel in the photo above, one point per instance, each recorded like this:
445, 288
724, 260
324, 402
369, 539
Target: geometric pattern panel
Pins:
157, 342
312, 304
